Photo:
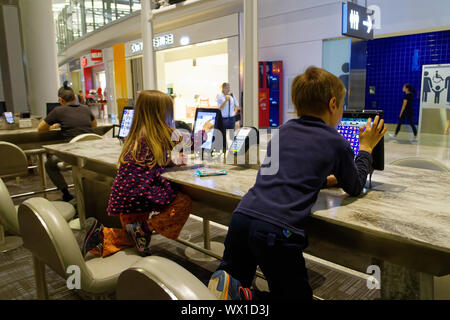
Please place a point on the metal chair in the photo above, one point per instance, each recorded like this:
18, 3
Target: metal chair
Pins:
86, 137
82, 137
48, 236
157, 278
14, 163
421, 163
75, 223
9, 221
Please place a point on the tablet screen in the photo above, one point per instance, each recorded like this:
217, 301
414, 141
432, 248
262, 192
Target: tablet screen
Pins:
202, 118
349, 129
125, 124
239, 140
9, 117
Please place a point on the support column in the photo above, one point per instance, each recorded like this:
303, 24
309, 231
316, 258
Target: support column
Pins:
250, 108
120, 78
39, 37
149, 66
14, 89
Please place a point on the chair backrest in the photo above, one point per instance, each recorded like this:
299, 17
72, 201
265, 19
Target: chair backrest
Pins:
421, 163
86, 137
158, 278
8, 213
49, 238
14, 162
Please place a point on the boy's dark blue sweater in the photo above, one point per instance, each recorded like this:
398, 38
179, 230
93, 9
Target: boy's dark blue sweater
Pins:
309, 151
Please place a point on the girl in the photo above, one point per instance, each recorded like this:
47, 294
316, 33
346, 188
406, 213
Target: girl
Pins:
407, 111
139, 190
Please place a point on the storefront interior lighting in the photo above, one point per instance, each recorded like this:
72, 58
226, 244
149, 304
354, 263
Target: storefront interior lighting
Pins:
184, 41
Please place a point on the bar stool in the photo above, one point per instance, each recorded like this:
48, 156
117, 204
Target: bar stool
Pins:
158, 278
16, 163
75, 223
9, 221
48, 236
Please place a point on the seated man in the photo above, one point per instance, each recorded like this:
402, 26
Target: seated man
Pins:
74, 119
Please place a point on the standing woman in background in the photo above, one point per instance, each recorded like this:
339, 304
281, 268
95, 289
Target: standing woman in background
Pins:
407, 111
228, 105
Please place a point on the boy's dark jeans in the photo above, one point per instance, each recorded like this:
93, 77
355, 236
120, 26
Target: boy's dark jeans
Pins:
251, 242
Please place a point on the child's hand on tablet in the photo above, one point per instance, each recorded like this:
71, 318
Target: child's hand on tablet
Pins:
370, 134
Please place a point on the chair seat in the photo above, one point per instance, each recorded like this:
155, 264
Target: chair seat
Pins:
75, 224
107, 270
158, 278
66, 210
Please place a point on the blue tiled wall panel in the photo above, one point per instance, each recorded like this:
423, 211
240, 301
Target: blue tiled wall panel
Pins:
392, 62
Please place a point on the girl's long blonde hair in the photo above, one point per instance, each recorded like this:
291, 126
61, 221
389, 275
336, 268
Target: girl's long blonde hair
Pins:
153, 121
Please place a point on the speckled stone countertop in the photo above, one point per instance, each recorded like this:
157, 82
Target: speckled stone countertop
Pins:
5, 132
405, 204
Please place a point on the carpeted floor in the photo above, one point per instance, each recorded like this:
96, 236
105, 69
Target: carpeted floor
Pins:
17, 280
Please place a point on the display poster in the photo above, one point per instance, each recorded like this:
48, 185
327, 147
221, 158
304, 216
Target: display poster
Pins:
435, 88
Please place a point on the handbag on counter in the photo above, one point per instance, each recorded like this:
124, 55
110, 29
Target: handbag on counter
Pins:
172, 218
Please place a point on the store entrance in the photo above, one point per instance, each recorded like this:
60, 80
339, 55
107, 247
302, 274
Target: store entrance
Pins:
193, 74
136, 75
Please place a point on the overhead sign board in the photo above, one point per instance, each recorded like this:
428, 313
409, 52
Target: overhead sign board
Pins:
96, 55
163, 41
356, 22
137, 47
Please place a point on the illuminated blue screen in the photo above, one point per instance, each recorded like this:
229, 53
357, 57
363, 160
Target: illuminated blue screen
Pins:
349, 129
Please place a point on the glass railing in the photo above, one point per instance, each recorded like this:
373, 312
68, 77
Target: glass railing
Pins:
76, 18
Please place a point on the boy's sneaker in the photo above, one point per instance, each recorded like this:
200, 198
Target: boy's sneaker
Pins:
245, 293
414, 140
141, 236
224, 286
92, 236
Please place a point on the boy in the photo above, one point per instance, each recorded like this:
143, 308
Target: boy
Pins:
268, 226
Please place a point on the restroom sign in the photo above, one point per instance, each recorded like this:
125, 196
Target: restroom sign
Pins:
356, 21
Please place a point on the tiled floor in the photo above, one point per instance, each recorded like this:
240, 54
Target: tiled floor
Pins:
429, 146
16, 272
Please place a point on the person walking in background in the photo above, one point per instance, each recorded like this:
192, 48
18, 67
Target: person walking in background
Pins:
407, 111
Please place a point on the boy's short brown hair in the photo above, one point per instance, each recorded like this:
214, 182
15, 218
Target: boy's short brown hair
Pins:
312, 91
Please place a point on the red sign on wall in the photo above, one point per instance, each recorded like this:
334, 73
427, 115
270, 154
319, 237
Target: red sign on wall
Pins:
96, 55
